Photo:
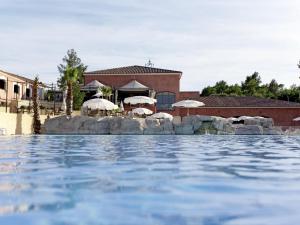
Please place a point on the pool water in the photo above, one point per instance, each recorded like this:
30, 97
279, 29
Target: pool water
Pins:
143, 180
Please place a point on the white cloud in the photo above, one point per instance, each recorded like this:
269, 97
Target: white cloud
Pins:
207, 40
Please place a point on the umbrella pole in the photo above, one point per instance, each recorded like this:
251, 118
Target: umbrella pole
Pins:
188, 111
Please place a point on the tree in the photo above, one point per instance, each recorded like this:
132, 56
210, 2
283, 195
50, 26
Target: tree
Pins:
78, 96
221, 87
290, 94
71, 77
106, 91
36, 114
207, 91
274, 88
234, 90
251, 85
71, 60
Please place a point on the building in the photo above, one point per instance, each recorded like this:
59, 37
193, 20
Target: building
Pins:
14, 88
282, 112
164, 85
16, 93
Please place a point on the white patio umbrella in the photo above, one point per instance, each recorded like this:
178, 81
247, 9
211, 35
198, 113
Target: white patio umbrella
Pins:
142, 111
100, 104
162, 115
188, 104
98, 95
296, 119
139, 100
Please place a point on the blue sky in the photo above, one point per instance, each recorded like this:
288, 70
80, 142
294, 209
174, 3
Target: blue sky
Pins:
208, 40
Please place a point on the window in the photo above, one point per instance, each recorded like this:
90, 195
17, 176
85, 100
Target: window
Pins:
2, 84
16, 89
165, 100
28, 93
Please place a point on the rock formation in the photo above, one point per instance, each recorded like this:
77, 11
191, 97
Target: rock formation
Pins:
188, 126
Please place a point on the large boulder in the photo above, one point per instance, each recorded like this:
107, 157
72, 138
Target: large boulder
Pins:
184, 129
115, 125
267, 122
272, 131
96, 126
194, 121
158, 126
119, 125
64, 125
259, 121
152, 126
249, 130
167, 126
223, 126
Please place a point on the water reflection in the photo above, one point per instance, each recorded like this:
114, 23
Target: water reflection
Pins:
149, 179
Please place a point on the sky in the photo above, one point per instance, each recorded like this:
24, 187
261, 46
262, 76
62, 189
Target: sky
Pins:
208, 40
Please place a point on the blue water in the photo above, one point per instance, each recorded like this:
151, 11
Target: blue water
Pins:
142, 180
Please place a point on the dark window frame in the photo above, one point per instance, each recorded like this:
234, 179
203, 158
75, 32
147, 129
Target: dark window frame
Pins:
165, 100
2, 84
28, 92
16, 89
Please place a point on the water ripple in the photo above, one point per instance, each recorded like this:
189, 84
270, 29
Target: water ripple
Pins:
116, 180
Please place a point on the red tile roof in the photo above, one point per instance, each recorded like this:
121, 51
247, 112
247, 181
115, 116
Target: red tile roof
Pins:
131, 70
245, 101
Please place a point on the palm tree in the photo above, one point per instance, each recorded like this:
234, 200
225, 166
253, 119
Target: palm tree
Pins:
36, 114
70, 77
106, 91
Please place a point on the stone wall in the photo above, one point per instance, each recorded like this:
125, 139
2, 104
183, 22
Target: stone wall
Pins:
188, 126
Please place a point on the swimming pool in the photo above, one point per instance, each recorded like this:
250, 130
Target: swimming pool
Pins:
145, 180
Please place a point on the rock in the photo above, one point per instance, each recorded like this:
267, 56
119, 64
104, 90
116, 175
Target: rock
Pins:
259, 121
272, 131
252, 121
207, 127
292, 131
158, 126
228, 129
249, 130
184, 129
131, 126
189, 125
267, 122
152, 126
115, 125
63, 125
195, 121
167, 126
100, 126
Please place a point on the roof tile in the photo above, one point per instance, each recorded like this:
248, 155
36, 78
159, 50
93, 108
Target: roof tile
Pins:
131, 70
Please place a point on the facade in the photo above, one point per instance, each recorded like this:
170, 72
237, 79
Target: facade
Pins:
16, 93
164, 85
282, 112
14, 88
